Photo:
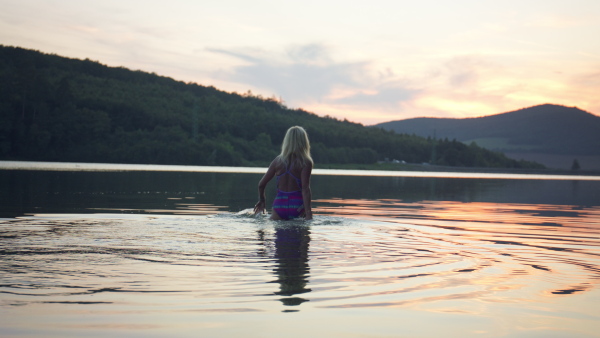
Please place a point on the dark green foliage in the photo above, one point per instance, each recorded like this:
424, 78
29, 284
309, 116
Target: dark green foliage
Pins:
58, 109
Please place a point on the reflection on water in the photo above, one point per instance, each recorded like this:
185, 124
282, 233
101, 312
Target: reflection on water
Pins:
473, 215
516, 240
291, 256
511, 268
26, 192
91, 255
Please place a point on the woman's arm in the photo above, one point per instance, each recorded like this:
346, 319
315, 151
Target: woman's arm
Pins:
306, 193
260, 206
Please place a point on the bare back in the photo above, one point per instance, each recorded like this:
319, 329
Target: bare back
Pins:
287, 182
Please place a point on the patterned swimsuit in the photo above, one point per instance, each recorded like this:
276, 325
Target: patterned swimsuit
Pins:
289, 205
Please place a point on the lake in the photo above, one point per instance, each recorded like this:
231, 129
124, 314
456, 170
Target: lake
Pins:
154, 251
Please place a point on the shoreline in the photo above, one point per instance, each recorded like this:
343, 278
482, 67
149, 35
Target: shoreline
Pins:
438, 168
390, 170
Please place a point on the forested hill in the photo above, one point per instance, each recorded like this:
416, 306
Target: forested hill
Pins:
549, 129
58, 109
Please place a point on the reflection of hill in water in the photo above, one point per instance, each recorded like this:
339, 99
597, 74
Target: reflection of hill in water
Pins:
199, 193
128, 191
465, 190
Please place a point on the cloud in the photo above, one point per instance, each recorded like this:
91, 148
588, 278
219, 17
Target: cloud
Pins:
467, 70
245, 56
310, 54
302, 73
390, 96
308, 76
312, 77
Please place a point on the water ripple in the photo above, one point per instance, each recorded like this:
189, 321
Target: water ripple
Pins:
381, 254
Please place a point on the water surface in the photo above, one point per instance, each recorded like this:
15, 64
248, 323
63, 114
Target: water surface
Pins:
163, 253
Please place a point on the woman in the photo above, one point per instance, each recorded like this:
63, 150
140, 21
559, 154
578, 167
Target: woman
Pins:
292, 168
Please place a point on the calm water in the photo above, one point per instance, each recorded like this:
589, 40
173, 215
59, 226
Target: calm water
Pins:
170, 253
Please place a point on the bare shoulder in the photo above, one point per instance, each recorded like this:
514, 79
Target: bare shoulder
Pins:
277, 166
306, 170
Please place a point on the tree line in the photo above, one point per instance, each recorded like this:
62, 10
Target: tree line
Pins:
59, 109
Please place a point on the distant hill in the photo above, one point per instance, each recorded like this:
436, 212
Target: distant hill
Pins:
551, 134
59, 109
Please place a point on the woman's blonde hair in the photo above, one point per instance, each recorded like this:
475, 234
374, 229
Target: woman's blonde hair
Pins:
295, 147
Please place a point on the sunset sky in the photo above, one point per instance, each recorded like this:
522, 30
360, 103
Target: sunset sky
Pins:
367, 61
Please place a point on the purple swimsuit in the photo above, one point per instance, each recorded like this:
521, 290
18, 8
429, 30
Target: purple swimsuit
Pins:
289, 205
